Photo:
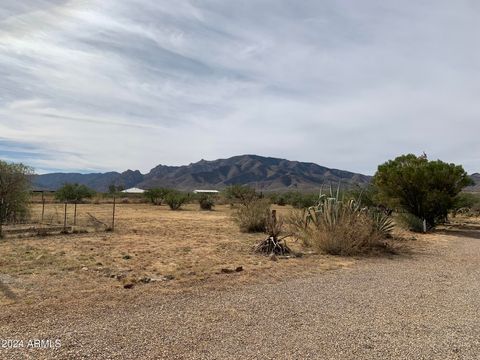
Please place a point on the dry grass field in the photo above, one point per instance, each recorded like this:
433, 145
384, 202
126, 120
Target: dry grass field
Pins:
151, 248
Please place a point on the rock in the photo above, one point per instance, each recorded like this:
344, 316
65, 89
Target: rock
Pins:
145, 280
227, 271
273, 257
85, 268
168, 278
126, 257
239, 269
128, 286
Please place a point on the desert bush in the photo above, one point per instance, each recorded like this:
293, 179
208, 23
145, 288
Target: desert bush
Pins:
340, 227
467, 204
252, 216
240, 193
175, 199
156, 195
411, 222
273, 244
14, 191
74, 193
206, 202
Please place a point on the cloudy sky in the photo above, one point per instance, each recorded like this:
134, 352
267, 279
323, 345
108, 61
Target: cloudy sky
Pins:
95, 85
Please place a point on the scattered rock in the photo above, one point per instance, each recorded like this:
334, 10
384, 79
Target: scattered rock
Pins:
273, 257
168, 278
227, 271
128, 285
239, 269
145, 280
85, 268
126, 257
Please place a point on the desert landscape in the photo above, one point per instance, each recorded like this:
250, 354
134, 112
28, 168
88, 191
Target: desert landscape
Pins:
268, 179
162, 271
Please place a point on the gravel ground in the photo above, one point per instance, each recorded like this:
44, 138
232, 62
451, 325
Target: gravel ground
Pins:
423, 306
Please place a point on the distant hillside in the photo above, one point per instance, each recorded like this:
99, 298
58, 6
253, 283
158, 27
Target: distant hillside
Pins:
476, 178
263, 173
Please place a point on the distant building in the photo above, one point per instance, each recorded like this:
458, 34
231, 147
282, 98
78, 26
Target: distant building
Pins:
133, 190
205, 191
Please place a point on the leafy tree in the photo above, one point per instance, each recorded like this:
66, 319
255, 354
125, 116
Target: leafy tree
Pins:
114, 189
426, 189
14, 191
241, 193
74, 193
157, 195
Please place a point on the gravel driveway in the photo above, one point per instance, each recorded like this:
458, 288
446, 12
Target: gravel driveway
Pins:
423, 306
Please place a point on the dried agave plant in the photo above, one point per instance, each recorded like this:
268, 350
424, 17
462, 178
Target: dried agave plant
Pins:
273, 244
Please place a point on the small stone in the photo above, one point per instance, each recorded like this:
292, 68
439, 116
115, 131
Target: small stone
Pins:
145, 280
128, 286
168, 277
273, 257
227, 271
85, 268
239, 269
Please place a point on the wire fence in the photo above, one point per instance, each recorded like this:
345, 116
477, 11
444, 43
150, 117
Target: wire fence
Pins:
50, 217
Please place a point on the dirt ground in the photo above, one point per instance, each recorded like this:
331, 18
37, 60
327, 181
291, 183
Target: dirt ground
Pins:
419, 304
151, 246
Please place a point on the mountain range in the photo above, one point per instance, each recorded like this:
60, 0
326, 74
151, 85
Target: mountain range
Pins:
263, 173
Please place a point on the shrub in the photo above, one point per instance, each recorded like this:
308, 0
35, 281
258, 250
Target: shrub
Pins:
252, 216
175, 199
14, 191
206, 202
273, 244
240, 193
156, 195
301, 200
74, 193
411, 222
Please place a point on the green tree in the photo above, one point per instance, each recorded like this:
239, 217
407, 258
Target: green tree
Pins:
14, 191
157, 195
74, 193
115, 189
426, 189
241, 193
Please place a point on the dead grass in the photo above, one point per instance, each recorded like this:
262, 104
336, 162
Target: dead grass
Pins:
150, 242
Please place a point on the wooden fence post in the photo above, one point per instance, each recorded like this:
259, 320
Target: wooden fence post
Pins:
1, 218
75, 214
113, 213
43, 206
65, 219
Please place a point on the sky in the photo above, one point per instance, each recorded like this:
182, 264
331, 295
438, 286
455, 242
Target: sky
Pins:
101, 85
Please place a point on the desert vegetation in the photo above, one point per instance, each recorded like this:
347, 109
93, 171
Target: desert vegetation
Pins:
14, 192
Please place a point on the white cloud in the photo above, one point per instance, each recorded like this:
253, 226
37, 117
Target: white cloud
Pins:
102, 85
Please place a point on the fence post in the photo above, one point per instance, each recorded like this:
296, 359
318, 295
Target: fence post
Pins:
1, 218
274, 218
424, 225
65, 219
113, 213
75, 214
43, 206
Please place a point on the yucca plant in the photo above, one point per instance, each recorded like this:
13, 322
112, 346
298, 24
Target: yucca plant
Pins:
339, 226
273, 244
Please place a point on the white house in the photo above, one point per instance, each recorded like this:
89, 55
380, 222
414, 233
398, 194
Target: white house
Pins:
205, 191
133, 190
